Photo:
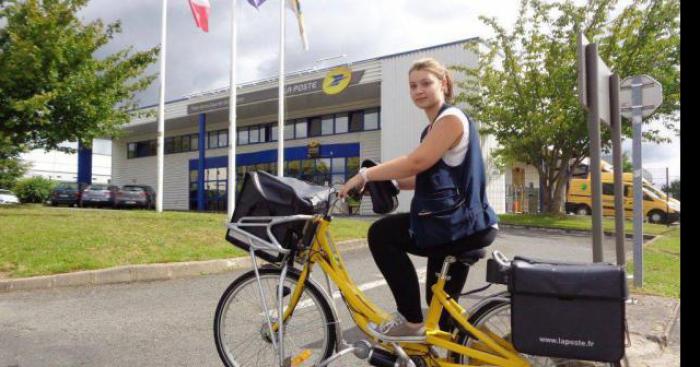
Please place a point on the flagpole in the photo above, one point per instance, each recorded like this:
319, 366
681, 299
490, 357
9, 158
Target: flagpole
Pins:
232, 134
280, 96
161, 109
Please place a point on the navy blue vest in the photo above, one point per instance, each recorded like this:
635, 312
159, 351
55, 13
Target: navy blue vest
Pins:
450, 202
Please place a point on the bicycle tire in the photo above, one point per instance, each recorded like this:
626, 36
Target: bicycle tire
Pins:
500, 308
254, 347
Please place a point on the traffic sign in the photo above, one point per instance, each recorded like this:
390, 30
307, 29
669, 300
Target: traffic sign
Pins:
651, 93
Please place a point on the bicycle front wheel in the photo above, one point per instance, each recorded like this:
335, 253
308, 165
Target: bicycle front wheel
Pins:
242, 334
495, 317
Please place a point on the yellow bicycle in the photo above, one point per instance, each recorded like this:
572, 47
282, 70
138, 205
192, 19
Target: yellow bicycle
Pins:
247, 323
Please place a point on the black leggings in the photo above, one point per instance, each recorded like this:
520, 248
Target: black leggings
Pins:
390, 243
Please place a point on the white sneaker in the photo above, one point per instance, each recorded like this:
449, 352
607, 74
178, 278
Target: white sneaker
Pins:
398, 327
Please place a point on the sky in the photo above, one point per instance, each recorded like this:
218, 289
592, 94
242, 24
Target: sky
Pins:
340, 30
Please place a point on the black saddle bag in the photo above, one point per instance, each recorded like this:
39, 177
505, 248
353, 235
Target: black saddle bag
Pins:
569, 310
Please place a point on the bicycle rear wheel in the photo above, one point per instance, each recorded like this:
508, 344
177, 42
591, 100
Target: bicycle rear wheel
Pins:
495, 317
241, 332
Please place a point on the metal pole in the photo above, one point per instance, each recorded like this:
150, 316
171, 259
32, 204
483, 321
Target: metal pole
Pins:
594, 134
638, 196
668, 188
232, 135
161, 109
280, 114
616, 126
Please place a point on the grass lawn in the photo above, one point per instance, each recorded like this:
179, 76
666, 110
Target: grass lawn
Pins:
662, 266
662, 258
38, 240
576, 222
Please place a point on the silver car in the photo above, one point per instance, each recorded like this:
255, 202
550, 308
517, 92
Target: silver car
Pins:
98, 195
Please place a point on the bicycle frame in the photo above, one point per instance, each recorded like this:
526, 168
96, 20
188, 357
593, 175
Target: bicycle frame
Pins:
491, 349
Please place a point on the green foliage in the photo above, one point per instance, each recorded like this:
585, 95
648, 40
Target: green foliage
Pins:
11, 169
34, 190
524, 90
52, 88
674, 189
627, 165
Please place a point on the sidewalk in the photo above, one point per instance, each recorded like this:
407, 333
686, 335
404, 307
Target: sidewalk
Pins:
651, 321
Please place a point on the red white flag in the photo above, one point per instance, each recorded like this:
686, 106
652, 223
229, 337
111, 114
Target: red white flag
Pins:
200, 11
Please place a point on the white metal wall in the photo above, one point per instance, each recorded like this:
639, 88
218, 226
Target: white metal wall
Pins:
402, 121
60, 166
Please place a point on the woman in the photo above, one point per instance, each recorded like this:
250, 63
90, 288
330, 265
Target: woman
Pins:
449, 214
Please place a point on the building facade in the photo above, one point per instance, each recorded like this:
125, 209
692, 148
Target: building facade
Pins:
61, 166
335, 118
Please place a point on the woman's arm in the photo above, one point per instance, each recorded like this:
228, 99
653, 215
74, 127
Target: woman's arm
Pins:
408, 183
443, 135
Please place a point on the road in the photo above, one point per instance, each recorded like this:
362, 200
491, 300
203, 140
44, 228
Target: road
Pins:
169, 323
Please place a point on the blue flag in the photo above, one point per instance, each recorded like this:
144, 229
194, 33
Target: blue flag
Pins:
256, 3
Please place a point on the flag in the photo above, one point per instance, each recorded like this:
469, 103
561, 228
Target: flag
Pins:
256, 3
200, 11
296, 8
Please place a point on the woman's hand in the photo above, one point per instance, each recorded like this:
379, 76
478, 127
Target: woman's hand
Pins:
356, 182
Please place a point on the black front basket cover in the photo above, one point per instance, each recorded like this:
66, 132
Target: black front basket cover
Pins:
265, 195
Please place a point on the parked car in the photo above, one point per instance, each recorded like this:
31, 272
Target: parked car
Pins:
150, 194
65, 193
7, 197
98, 195
130, 195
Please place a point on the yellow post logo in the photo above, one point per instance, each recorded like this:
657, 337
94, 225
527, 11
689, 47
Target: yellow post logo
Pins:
337, 80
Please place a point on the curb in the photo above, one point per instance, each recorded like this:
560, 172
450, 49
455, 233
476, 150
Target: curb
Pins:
568, 231
142, 273
669, 326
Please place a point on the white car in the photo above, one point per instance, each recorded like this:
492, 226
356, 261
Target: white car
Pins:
7, 197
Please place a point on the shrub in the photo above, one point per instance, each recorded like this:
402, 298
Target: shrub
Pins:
34, 190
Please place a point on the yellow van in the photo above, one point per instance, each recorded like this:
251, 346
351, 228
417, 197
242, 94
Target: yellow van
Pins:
656, 208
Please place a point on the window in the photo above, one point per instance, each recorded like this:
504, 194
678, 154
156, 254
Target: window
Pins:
289, 130
608, 189
300, 129
185, 141
371, 119
341, 123
177, 144
213, 140
353, 166
273, 133
356, 121
223, 138
131, 150
315, 126
243, 136
327, 125
254, 134
194, 142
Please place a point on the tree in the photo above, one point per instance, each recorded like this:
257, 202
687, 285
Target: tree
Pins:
674, 189
627, 165
11, 169
52, 87
524, 87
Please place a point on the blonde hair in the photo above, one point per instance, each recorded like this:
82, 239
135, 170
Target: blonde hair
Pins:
434, 67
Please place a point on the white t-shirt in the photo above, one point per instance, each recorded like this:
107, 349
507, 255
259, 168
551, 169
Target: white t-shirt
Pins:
455, 155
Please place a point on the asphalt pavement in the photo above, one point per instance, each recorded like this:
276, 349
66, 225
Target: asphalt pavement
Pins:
169, 323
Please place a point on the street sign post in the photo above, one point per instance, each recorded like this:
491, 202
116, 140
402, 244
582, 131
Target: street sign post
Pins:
594, 84
640, 96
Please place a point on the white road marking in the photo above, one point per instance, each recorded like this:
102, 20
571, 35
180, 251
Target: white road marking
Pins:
363, 287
